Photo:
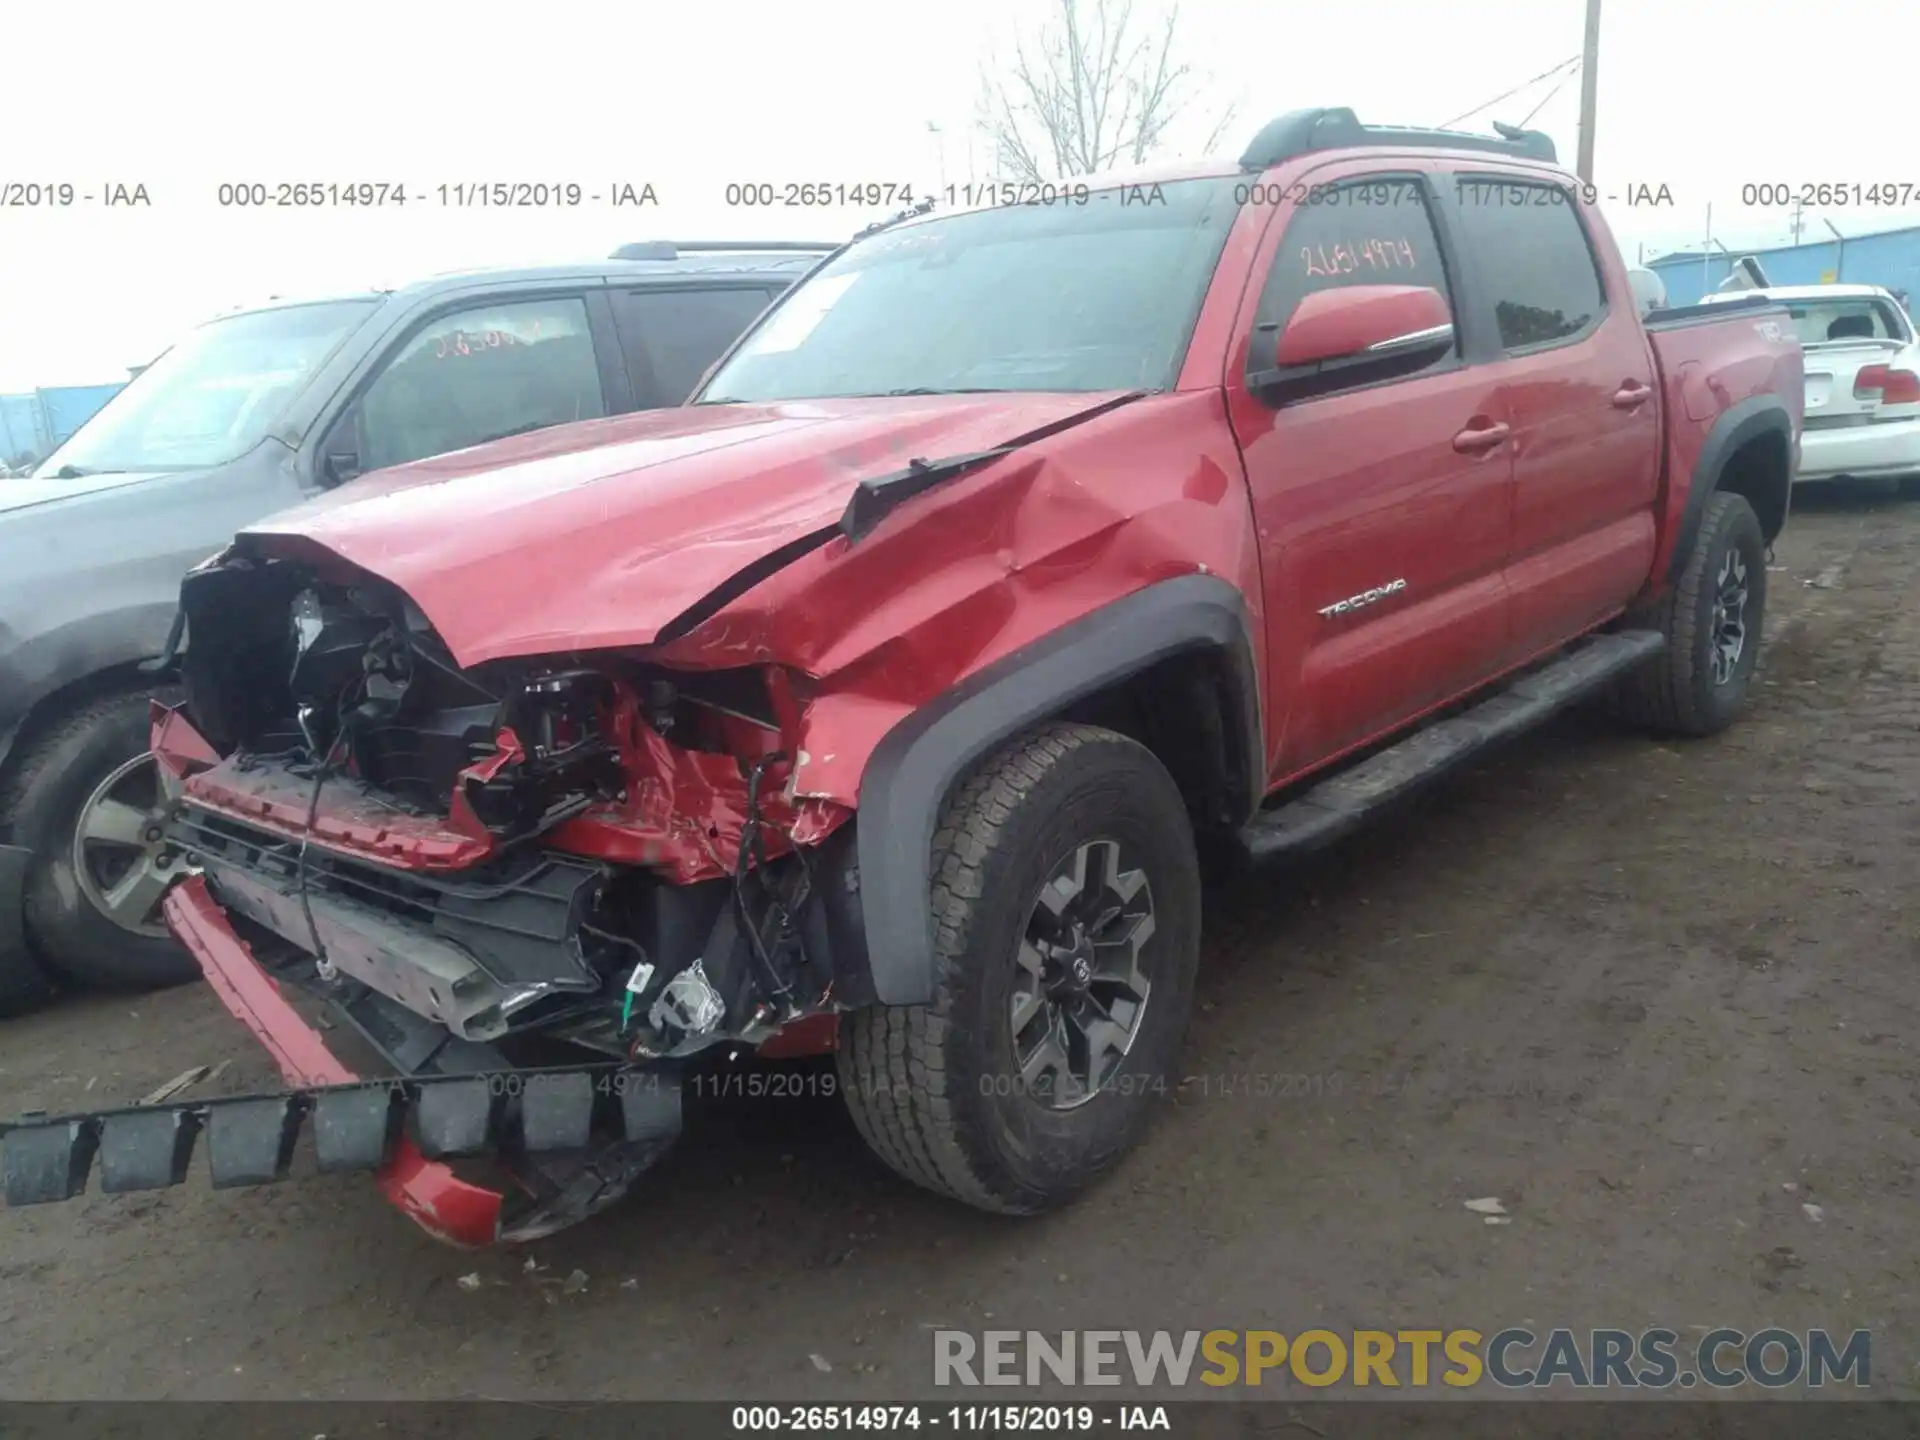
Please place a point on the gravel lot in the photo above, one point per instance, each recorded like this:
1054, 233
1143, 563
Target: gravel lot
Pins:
1658, 998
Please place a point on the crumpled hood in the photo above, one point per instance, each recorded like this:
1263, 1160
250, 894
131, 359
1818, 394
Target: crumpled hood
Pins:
20, 493
597, 534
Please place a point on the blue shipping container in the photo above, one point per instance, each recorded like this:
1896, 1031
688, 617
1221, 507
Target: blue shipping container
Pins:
35, 423
68, 407
1890, 259
22, 428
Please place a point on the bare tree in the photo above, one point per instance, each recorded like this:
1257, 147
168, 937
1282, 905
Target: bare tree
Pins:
1093, 88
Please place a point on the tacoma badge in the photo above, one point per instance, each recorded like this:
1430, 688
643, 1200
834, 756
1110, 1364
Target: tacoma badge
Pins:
1365, 597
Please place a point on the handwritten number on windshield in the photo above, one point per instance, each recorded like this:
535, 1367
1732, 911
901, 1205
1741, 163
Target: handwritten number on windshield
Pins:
1346, 258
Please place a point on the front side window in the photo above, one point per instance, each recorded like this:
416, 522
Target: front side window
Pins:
482, 374
1092, 290
214, 395
1375, 231
1533, 253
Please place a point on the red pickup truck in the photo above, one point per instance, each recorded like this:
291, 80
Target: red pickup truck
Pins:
883, 698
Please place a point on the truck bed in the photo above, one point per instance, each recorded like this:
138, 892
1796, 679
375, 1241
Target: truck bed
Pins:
1713, 360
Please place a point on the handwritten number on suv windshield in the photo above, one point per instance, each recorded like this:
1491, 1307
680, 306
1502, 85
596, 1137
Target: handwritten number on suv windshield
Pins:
465, 342
468, 342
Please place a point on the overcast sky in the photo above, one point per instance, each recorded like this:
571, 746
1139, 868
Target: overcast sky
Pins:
1702, 97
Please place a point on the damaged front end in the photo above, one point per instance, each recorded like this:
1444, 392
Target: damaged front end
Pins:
581, 865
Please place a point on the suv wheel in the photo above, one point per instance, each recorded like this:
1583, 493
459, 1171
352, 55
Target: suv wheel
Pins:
24, 986
86, 801
1066, 899
1711, 618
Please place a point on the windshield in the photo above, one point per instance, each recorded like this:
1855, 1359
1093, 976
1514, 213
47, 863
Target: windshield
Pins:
1098, 290
213, 396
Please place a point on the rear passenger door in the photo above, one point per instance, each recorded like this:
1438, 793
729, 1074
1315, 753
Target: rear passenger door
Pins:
1576, 381
672, 334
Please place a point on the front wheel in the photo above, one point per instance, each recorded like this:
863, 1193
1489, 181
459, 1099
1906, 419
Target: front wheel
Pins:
1066, 902
88, 802
1711, 618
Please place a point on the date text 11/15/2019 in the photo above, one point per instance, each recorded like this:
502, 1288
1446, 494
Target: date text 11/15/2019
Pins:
459, 194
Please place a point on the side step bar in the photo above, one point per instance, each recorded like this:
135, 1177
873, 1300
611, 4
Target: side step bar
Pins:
1336, 806
251, 1138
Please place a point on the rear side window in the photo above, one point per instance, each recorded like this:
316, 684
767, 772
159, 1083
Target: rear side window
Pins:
1533, 252
1369, 232
1821, 321
674, 335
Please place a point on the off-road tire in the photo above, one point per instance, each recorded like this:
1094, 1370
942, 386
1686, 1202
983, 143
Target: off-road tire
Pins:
1674, 693
50, 784
929, 1085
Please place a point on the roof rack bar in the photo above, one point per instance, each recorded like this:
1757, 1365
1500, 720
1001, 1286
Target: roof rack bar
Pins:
1300, 132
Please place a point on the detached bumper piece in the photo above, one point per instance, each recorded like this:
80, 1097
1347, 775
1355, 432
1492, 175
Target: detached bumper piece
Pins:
251, 1139
477, 953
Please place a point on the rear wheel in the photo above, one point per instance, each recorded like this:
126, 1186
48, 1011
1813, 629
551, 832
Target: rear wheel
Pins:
1066, 902
87, 801
1712, 620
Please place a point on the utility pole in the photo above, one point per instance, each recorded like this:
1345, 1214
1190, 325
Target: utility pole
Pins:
1799, 222
1589, 81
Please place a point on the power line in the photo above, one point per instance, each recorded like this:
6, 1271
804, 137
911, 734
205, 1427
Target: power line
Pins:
1550, 94
1466, 114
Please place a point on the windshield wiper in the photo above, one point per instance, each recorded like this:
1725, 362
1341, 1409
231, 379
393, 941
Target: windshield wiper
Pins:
870, 502
932, 390
874, 499
75, 472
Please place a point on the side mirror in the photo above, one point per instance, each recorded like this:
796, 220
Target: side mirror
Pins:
1360, 326
340, 454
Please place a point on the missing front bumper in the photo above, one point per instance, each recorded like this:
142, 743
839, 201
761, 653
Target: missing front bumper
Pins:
574, 1139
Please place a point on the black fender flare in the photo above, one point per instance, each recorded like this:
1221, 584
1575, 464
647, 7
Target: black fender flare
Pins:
915, 766
1747, 421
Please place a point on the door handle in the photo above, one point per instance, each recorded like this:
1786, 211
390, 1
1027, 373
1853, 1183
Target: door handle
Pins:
1631, 396
1479, 439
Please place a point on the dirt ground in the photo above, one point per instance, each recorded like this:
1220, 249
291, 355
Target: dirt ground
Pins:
1658, 998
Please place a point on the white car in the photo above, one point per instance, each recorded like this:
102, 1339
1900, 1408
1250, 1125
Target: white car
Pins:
1863, 380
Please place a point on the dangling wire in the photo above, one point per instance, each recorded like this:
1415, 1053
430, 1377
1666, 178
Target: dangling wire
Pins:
1468, 114
753, 854
327, 762
1550, 94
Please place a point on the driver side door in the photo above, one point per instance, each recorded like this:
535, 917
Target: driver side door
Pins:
1381, 497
